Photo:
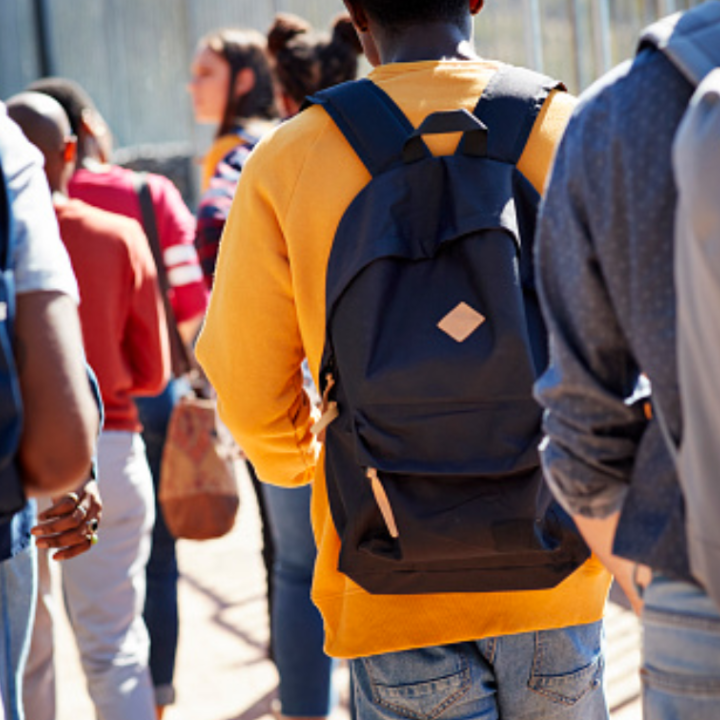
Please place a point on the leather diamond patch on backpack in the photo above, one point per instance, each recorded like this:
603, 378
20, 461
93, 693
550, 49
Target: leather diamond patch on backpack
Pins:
461, 322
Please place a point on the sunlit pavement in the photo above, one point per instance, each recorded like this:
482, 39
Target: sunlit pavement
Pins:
223, 672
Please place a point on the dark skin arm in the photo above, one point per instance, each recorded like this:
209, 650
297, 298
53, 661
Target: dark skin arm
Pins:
60, 415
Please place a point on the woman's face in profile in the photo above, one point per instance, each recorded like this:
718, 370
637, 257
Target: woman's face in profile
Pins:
208, 86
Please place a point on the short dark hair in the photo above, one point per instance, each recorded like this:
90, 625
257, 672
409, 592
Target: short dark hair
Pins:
396, 14
69, 94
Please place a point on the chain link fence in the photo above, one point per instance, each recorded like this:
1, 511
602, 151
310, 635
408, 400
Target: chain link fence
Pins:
133, 55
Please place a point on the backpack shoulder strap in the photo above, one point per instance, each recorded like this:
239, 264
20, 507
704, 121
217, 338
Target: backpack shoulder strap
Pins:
510, 106
690, 40
179, 355
371, 122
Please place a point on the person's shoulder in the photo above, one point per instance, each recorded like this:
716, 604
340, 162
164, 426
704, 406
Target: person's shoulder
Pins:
161, 187
108, 186
289, 143
121, 183
103, 226
173, 216
113, 177
636, 102
552, 107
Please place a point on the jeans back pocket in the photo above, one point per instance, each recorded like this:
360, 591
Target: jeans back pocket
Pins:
568, 664
420, 684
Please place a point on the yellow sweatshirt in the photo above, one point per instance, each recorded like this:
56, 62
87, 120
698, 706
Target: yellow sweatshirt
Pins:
267, 313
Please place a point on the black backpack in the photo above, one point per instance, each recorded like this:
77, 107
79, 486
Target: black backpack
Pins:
10, 397
434, 340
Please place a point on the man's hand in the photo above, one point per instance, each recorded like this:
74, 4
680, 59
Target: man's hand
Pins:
70, 525
599, 535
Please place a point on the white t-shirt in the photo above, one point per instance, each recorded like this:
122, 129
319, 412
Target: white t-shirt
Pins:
40, 260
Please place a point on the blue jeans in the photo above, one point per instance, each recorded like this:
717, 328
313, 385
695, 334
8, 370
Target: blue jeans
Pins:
17, 608
161, 609
304, 669
681, 652
548, 675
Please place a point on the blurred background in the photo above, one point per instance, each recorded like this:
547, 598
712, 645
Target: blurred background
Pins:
133, 55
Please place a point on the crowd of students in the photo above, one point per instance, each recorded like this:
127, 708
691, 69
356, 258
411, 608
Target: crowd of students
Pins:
393, 282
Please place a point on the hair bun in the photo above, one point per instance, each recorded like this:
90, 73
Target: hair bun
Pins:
286, 27
343, 31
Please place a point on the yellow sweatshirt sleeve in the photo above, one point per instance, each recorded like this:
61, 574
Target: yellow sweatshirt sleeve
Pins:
250, 346
537, 158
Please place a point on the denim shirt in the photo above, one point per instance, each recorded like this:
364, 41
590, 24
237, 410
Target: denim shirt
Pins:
605, 275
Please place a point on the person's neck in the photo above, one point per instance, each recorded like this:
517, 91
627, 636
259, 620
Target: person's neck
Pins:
429, 41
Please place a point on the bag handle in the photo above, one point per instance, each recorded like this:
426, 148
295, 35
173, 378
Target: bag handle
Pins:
180, 358
473, 143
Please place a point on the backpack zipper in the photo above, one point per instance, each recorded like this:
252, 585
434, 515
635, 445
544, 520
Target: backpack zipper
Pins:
330, 412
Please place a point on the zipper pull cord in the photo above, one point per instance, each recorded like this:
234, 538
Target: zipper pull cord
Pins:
383, 502
330, 411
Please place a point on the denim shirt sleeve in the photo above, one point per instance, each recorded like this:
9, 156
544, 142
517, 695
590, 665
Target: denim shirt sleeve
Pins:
591, 423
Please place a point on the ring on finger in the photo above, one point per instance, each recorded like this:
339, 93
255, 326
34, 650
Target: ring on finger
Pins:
83, 512
73, 496
93, 525
92, 538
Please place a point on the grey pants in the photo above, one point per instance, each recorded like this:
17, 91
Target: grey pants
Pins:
105, 587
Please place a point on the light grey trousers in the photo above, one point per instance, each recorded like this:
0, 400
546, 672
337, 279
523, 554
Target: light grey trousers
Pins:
104, 593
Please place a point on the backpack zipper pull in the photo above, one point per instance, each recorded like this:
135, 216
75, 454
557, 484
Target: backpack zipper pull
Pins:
383, 502
329, 409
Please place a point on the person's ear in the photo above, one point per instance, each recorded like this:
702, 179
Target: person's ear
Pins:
357, 14
362, 25
93, 126
244, 82
476, 6
70, 150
